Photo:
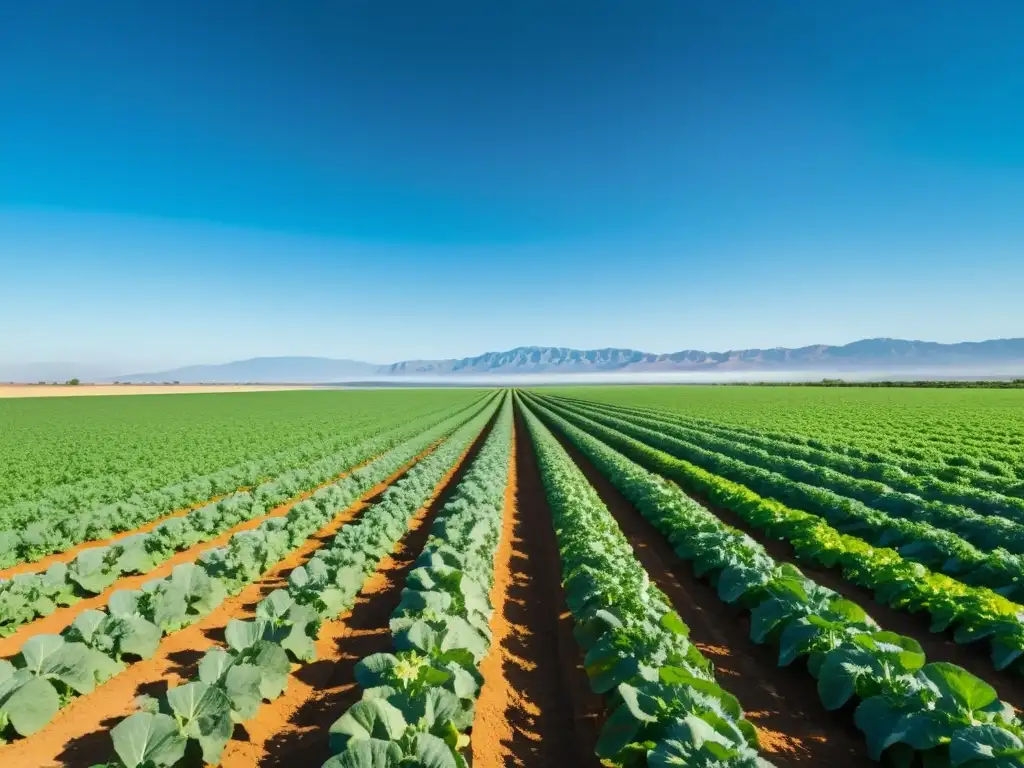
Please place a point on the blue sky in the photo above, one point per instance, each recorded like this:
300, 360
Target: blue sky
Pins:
201, 181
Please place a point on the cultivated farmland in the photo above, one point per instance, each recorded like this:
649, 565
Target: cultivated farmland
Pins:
648, 576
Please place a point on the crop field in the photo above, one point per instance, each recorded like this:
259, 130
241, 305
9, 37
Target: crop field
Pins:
619, 576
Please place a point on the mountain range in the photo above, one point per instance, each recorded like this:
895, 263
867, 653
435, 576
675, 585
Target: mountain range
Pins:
995, 357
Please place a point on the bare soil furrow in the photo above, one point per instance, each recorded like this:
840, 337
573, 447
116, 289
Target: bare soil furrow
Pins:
781, 702
536, 707
493, 733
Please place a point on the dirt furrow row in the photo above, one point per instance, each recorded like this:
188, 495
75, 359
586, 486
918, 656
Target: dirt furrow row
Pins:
781, 702
536, 707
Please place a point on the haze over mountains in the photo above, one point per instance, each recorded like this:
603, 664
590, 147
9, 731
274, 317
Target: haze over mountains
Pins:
868, 357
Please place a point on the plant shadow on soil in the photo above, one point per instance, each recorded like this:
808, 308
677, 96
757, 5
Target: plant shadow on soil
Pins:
551, 716
84, 749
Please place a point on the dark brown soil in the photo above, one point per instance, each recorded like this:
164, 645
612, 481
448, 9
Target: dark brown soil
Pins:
540, 711
782, 703
938, 646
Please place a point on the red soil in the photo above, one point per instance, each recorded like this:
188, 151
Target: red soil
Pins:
492, 730
536, 707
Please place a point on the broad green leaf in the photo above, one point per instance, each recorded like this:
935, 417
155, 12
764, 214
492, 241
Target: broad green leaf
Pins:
242, 685
368, 753
432, 752
735, 581
850, 611
765, 617
921, 730
275, 669
838, 676
367, 719
419, 637
624, 723
877, 719
124, 602
39, 651
274, 606
170, 608
214, 664
674, 624
28, 703
982, 742
86, 624
74, 665
136, 636
91, 571
205, 713
242, 634
146, 739
968, 691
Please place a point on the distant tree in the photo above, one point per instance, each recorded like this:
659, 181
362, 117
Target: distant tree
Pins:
73, 382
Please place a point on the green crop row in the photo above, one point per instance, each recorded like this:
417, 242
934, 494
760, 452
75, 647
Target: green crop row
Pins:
984, 493
976, 431
98, 644
666, 708
106, 449
976, 613
905, 705
30, 595
32, 530
234, 680
419, 701
938, 549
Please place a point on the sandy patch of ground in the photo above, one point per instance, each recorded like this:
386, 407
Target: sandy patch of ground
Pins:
85, 390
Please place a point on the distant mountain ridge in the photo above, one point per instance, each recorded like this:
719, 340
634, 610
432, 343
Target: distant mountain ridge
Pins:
877, 355
882, 353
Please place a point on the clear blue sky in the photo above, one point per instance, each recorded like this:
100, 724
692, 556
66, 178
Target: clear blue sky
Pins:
199, 181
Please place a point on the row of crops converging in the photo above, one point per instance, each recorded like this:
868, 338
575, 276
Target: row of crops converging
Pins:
530, 578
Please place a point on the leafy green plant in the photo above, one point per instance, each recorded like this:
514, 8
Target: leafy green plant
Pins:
976, 613
637, 653
254, 666
905, 706
419, 702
